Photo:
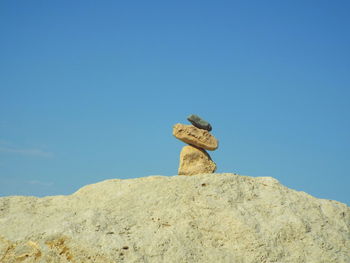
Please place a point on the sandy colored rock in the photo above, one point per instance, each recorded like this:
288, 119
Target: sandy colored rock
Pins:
195, 136
195, 161
202, 218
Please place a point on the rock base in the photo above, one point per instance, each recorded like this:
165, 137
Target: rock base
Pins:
204, 218
194, 161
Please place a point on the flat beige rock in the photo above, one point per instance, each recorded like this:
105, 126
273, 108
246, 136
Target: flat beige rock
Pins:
204, 218
195, 161
195, 136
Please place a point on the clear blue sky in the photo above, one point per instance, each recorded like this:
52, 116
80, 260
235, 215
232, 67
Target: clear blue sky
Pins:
90, 90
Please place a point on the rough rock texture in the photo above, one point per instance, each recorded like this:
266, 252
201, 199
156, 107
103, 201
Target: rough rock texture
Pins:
203, 218
199, 122
195, 136
195, 161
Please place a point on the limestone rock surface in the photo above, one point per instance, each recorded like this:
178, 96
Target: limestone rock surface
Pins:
195, 161
203, 218
195, 136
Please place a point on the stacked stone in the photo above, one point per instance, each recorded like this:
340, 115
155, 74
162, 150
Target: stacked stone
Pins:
193, 158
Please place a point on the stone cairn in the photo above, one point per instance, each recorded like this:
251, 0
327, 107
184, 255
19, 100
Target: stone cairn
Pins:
193, 157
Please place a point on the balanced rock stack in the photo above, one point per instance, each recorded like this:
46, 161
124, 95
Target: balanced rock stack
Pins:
193, 158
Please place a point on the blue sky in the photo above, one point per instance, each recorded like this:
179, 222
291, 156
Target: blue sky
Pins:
90, 90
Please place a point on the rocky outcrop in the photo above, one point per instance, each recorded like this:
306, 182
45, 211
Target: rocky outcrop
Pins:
203, 218
194, 161
195, 136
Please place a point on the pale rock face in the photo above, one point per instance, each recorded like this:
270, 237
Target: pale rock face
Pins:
195, 136
195, 161
204, 218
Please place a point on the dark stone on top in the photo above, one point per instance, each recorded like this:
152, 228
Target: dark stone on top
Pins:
199, 122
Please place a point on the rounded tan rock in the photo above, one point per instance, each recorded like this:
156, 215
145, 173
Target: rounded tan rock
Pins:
195, 136
195, 161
